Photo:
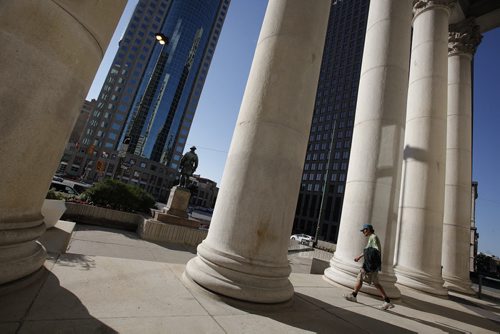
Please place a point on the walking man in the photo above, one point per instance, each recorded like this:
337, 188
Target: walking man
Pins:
371, 266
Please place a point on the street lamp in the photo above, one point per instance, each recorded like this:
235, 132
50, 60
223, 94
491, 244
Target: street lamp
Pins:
161, 38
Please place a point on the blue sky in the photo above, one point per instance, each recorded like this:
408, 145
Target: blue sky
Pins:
219, 104
486, 141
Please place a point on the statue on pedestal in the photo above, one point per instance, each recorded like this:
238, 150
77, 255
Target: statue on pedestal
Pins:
187, 166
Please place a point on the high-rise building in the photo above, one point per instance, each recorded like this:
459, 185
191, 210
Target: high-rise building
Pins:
138, 129
327, 158
81, 121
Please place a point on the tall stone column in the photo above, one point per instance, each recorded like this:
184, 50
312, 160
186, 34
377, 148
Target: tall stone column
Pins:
463, 40
50, 53
373, 179
418, 263
245, 253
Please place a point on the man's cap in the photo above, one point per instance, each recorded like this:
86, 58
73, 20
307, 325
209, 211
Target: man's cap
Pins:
193, 148
368, 227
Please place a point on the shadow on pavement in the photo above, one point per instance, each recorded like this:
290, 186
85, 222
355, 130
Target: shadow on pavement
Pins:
36, 309
450, 313
76, 260
467, 302
315, 316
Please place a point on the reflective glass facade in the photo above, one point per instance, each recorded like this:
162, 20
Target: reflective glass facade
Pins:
149, 96
165, 102
327, 158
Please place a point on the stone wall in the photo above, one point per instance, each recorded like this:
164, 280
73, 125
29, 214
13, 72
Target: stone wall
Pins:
94, 215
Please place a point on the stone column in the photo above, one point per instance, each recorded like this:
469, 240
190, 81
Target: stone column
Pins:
50, 53
463, 40
418, 263
373, 179
245, 253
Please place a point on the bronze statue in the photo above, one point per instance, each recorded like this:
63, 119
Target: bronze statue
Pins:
187, 166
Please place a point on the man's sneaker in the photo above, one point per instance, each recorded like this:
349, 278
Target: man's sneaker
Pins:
350, 297
386, 306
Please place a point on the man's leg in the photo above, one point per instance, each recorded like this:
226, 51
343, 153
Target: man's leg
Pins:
382, 291
357, 286
387, 302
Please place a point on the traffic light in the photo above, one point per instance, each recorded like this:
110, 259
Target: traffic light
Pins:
100, 166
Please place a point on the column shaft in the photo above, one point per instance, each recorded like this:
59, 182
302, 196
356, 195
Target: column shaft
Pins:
373, 179
422, 194
245, 253
463, 40
50, 53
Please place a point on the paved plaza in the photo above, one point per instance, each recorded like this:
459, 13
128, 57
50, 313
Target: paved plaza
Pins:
110, 281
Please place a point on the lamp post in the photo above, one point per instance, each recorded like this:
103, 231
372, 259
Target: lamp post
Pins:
161, 38
121, 155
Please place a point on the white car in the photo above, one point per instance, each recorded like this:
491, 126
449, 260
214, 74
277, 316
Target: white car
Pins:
302, 238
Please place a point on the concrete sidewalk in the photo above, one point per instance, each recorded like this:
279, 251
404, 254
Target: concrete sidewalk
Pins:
110, 281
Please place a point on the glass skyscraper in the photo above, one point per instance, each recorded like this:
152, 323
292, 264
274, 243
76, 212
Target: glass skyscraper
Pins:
327, 159
150, 95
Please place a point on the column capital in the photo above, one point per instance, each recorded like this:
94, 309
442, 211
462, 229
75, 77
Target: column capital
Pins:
463, 38
420, 6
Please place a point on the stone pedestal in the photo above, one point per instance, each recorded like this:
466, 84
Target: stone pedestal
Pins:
176, 220
50, 53
373, 179
463, 40
161, 231
245, 253
418, 263
178, 202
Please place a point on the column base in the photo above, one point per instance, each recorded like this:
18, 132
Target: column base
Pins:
20, 253
231, 276
20, 260
19, 285
346, 275
457, 284
420, 281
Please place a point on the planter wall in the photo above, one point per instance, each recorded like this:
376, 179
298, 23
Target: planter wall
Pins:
94, 215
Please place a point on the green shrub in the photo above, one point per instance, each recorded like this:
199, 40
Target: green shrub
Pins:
52, 194
120, 196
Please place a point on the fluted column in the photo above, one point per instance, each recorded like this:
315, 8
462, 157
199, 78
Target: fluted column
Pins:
418, 263
463, 40
245, 253
50, 53
373, 179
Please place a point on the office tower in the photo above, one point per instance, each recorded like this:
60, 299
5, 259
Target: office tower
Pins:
327, 159
150, 95
81, 121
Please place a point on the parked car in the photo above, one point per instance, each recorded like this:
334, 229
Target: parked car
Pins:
64, 189
302, 238
80, 187
57, 178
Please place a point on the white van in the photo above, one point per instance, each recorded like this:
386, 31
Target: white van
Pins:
63, 188
80, 187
